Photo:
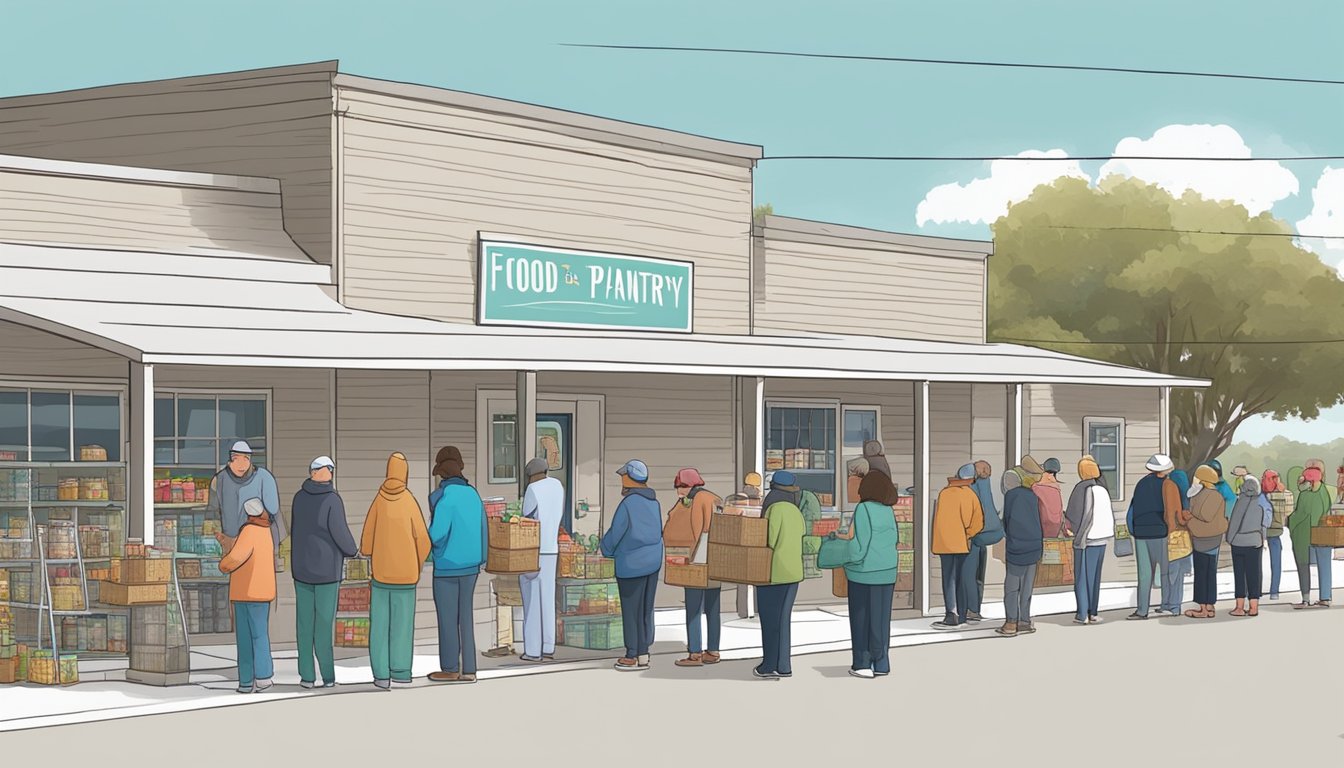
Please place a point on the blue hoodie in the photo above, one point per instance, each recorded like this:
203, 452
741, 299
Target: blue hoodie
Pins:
992, 533
1182, 481
1224, 490
457, 535
635, 538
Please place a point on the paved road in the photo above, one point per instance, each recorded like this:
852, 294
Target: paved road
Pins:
1160, 692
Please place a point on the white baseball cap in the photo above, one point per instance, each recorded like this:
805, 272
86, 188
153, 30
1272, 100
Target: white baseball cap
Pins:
241, 447
320, 462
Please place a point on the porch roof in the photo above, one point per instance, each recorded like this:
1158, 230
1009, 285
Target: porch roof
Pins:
129, 304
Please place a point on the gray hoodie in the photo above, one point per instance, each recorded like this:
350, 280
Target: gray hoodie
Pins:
1246, 526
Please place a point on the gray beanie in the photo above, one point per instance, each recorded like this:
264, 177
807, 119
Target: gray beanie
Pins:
1011, 480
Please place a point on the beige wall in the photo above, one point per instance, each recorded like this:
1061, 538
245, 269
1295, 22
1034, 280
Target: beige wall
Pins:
848, 289
420, 180
25, 352
275, 124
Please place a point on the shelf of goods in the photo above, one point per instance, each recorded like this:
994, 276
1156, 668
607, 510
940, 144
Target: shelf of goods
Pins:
588, 602
146, 581
352, 604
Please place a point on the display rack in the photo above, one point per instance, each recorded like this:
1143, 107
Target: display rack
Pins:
352, 606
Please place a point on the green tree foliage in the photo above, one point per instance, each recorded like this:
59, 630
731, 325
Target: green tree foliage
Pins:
759, 213
1112, 272
1281, 453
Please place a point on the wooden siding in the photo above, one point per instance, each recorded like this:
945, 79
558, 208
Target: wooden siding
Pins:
420, 180
276, 124
102, 213
950, 446
815, 288
27, 352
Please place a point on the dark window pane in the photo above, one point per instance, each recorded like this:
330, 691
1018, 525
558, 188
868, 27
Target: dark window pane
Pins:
163, 453
242, 419
790, 418
163, 416
51, 426
14, 424
195, 417
202, 453
1107, 456
98, 422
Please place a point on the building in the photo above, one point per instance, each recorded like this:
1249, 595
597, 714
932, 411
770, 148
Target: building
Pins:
329, 264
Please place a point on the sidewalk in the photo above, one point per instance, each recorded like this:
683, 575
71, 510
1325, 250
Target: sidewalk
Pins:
213, 679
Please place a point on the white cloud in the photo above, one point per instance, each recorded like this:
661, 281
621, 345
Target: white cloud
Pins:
1259, 430
1327, 218
1257, 185
986, 200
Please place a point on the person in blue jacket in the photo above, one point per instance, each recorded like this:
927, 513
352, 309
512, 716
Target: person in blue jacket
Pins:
458, 539
635, 541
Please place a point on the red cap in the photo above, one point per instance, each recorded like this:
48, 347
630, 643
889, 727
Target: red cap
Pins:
688, 478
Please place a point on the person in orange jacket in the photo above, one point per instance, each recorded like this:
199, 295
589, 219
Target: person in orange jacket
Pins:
687, 521
957, 517
397, 541
250, 565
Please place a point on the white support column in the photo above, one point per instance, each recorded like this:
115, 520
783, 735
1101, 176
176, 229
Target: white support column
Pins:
752, 393
140, 457
923, 491
1164, 420
1014, 425
526, 428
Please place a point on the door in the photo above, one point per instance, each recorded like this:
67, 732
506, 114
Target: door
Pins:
555, 443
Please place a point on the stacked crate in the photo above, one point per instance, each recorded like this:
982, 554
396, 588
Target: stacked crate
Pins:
352, 605
588, 614
158, 640
515, 546
1056, 568
738, 552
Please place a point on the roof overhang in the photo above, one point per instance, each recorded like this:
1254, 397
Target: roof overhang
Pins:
275, 321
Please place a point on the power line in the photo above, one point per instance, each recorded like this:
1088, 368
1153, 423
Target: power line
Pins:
1188, 231
959, 62
1075, 158
1174, 344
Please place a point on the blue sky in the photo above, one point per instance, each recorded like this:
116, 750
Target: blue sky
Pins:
796, 106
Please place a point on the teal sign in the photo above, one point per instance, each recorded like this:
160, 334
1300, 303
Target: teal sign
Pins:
560, 288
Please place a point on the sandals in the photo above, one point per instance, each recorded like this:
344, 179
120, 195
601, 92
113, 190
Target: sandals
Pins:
1192, 614
1237, 612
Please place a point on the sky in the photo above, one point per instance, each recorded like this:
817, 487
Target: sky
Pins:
807, 106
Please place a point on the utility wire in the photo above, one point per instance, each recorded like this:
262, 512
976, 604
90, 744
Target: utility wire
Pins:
1174, 344
1187, 231
959, 62
1028, 159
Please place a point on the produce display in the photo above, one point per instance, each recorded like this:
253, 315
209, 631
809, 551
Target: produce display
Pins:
587, 601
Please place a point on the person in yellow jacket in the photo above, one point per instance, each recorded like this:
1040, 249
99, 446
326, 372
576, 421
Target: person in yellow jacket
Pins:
957, 516
396, 540
250, 565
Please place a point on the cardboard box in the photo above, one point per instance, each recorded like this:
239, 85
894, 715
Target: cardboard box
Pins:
694, 576
9, 670
738, 531
114, 593
148, 570
1054, 576
525, 534
508, 591
1327, 536
507, 561
774, 460
739, 565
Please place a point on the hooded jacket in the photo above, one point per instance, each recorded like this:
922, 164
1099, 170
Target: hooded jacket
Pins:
322, 537
992, 532
1089, 514
957, 516
1246, 526
635, 538
394, 532
1021, 522
250, 564
228, 493
457, 535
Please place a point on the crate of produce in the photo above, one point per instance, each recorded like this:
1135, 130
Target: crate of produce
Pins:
1330, 533
354, 598
352, 633
739, 565
495, 506
93, 489
115, 593
508, 591
738, 531
92, 453
516, 534
9, 670
905, 582
774, 460
189, 568
506, 561
1054, 576
146, 570
690, 575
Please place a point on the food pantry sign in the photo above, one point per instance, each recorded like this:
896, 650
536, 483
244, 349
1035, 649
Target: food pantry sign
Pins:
558, 288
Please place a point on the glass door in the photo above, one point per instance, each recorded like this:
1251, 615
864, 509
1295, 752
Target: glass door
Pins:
555, 443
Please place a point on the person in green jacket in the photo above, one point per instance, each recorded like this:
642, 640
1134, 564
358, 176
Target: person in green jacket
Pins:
1312, 503
871, 571
775, 600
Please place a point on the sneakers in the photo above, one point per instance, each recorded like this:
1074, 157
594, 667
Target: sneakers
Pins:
1136, 616
945, 624
864, 674
1009, 629
973, 618
1160, 612
264, 685
756, 672
444, 677
693, 660
627, 665
244, 689
709, 657
1077, 620
643, 661
384, 685
402, 683
329, 685
531, 659
548, 656
307, 685
1301, 605
1094, 619
467, 679
1321, 604
1025, 628
497, 653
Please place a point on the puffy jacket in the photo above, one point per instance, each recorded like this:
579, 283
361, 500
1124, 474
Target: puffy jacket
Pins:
250, 564
957, 516
635, 538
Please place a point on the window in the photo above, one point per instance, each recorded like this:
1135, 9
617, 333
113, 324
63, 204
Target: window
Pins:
503, 448
197, 430
802, 439
861, 424
1105, 442
52, 425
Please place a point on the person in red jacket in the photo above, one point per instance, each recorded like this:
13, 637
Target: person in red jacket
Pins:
1050, 499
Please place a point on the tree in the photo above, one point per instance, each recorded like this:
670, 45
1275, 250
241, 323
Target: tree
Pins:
1127, 273
759, 213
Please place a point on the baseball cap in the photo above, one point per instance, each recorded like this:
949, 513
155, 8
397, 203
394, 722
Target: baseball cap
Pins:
635, 470
320, 462
241, 447
783, 479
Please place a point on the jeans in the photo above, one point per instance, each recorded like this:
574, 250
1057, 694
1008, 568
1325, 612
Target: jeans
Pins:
1275, 564
870, 625
392, 631
702, 601
973, 576
539, 608
1246, 572
1017, 588
1177, 570
1087, 579
457, 626
1206, 578
1151, 555
955, 600
637, 613
315, 619
252, 631
775, 605
1324, 574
